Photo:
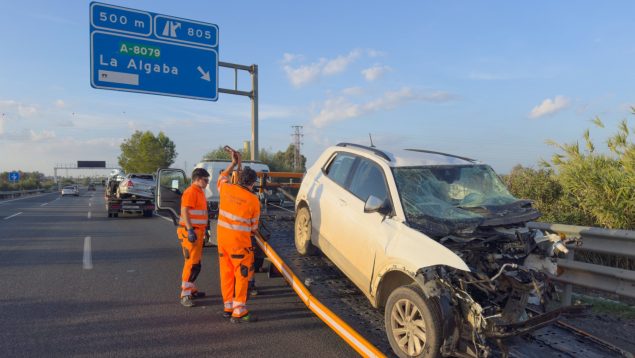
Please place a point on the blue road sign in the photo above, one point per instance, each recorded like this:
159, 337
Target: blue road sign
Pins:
14, 176
140, 51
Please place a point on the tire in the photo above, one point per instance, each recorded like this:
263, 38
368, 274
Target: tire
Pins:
303, 231
211, 239
418, 336
147, 213
109, 215
115, 215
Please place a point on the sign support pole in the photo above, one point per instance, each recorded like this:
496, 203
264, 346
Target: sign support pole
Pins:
253, 95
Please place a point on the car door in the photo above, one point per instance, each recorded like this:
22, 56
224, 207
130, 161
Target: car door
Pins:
324, 200
361, 236
171, 183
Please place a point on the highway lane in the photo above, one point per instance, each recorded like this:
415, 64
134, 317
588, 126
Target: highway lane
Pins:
124, 303
9, 208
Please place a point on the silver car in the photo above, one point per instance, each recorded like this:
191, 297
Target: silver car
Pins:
138, 185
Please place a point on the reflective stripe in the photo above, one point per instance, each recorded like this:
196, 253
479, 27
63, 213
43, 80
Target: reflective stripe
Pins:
198, 212
254, 228
194, 211
236, 217
194, 221
228, 306
233, 227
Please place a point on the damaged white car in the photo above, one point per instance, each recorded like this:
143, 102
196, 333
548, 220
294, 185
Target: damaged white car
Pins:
434, 240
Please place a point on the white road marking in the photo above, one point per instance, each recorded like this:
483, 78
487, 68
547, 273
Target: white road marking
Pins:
89, 215
44, 204
12, 216
164, 218
88, 258
90, 204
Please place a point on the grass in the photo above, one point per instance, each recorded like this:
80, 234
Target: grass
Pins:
603, 305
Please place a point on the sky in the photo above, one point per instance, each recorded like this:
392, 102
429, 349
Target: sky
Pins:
491, 80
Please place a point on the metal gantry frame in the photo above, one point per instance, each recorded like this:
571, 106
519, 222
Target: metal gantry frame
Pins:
253, 95
75, 167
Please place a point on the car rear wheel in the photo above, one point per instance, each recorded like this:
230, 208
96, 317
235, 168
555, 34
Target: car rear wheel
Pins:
413, 323
303, 230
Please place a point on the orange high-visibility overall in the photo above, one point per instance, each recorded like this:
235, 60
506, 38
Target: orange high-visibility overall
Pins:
238, 213
194, 200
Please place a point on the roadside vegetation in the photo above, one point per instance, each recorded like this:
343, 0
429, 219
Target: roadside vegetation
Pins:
581, 185
280, 161
28, 181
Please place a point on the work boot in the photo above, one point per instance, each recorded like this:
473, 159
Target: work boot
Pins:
198, 294
227, 315
253, 291
187, 301
248, 318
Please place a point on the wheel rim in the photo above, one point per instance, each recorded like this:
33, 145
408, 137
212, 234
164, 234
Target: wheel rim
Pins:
408, 327
301, 229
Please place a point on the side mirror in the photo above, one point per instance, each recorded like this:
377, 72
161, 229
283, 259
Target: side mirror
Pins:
375, 205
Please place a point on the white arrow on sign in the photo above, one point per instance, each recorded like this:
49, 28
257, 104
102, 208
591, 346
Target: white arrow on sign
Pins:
205, 74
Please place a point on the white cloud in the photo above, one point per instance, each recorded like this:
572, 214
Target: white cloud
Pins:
60, 103
549, 106
375, 72
23, 110
340, 108
374, 53
291, 57
304, 74
1, 125
353, 91
41, 136
340, 63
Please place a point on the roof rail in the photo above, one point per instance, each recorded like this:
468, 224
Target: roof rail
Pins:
441, 153
374, 150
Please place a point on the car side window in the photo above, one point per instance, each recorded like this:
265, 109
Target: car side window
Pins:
340, 167
368, 180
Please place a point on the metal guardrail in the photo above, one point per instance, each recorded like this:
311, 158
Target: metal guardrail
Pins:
597, 240
18, 193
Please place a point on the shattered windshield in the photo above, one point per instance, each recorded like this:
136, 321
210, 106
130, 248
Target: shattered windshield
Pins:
450, 196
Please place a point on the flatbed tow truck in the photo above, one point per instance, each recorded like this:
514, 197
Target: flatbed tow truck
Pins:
130, 205
338, 302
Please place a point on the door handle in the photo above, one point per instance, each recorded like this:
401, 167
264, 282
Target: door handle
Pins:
342, 202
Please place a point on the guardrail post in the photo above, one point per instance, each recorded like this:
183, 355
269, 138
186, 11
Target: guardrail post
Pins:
568, 288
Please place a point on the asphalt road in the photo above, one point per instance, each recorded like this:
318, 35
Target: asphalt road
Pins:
77, 283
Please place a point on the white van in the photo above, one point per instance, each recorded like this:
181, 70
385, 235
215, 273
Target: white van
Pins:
214, 168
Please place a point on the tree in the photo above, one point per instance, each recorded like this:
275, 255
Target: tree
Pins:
280, 161
144, 152
219, 154
542, 187
602, 185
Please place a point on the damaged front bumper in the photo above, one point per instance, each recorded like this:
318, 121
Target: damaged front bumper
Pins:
502, 330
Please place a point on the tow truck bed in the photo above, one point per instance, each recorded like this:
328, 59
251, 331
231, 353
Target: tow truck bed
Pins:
327, 283
143, 206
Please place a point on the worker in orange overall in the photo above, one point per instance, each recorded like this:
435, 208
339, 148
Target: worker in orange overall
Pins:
239, 210
191, 232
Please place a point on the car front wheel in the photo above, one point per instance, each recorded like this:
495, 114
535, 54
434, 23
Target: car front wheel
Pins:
413, 323
303, 232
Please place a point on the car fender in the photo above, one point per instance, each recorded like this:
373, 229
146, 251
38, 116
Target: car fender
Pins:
411, 251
